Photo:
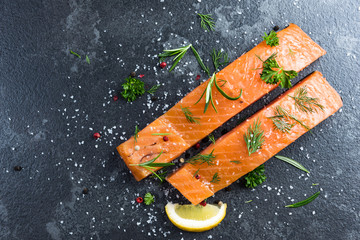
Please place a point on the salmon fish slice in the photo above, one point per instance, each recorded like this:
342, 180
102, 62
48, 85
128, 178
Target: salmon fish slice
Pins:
232, 147
295, 51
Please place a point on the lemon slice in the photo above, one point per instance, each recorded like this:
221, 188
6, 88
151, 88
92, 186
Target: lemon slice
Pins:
195, 218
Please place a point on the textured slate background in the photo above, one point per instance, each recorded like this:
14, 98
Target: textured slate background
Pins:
52, 102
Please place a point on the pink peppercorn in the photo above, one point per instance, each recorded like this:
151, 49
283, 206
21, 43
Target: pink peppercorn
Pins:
203, 203
197, 146
139, 199
163, 64
141, 75
197, 176
165, 138
96, 135
197, 77
115, 98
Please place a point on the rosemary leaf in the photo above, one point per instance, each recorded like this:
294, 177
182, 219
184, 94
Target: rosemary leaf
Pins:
292, 162
304, 202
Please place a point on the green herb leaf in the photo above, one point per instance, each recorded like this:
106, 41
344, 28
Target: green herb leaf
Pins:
305, 103
304, 202
207, 22
153, 89
248, 201
291, 53
74, 53
212, 138
254, 137
87, 59
198, 58
133, 88
189, 115
272, 73
215, 178
256, 177
160, 174
136, 134
160, 134
219, 58
271, 39
315, 184
196, 173
292, 162
281, 120
149, 198
235, 161
202, 158
179, 52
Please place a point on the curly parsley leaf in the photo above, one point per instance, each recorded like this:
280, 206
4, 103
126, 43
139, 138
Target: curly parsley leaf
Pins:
272, 72
149, 198
272, 39
133, 88
256, 177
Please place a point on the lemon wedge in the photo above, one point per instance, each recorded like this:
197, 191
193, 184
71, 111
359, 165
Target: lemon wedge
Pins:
196, 218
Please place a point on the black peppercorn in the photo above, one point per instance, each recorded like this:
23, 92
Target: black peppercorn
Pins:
187, 155
153, 98
276, 28
17, 168
85, 191
133, 74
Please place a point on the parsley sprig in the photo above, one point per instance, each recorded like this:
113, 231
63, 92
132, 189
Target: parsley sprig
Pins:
272, 73
189, 116
207, 22
255, 177
151, 165
305, 103
149, 198
254, 137
272, 39
202, 158
208, 94
133, 88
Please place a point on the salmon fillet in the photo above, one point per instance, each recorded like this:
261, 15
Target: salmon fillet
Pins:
232, 146
240, 74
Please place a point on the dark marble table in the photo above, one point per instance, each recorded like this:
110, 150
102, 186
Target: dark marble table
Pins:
52, 102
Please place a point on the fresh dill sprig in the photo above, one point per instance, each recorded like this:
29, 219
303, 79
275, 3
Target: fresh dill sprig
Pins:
74, 53
179, 52
202, 158
272, 73
136, 134
271, 39
305, 103
219, 58
189, 116
151, 165
255, 177
208, 94
207, 22
281, 120
196, 173
215, 178
212, 138
254, 137
153, 89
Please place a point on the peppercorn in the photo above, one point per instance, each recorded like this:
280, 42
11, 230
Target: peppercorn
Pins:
139, 200
197, 176
187, 155
153, 98
276, 28
197, 146
203, 203
96, 135
85, 191
17, 168
133, 74
197, 77
115, 98
165, 138
182, 160
163, 64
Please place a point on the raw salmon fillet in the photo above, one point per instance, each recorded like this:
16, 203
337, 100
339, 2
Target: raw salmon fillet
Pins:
240, 74
232, 146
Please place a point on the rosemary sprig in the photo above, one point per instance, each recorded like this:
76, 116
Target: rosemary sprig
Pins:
212, 138
215, 178
151, 165
305, 103
219, 58
208, 93
207, 22
224, 82
201, 63
254, 137
153, 89
136, 134
304, 202
273, 73
74, 53
292, 162
189, 115
202, 158
161, 174
179, 52
160, 134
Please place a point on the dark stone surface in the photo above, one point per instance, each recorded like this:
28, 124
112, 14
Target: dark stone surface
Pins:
51, 103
